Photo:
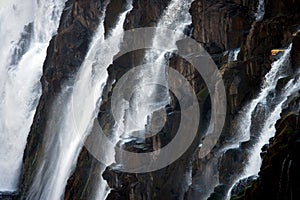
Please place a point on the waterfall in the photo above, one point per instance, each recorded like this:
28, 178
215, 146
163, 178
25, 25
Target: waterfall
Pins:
259, 15
176, 17
148, 99
24, 42
269, 130
233, 54
282, 185
285, 179
104, 189
278, 70
72, 116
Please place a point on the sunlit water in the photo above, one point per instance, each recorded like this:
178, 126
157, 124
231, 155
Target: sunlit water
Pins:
22, 53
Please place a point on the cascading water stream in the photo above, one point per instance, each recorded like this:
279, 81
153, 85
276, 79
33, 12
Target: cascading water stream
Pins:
149, 98
259, 15
269, 130
104, 190
146, 99
233, 54
277, 71
22, 55
73, 115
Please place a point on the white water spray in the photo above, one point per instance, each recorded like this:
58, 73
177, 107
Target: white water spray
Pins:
73, 116
104, 189
149, 98
269, 130
21, 69
259, 15
233, 54
278, 70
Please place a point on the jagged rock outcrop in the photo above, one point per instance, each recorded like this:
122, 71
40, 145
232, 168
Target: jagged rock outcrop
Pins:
217, 22
153, 185
243, 77
295, 53
220, 26
145, 13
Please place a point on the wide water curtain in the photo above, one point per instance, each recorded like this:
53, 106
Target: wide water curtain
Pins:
24, 42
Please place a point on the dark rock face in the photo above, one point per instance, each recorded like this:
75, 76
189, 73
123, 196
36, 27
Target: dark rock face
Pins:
145, 13
295, 53
231, 162
8, 196
219, 26
216, 23
241, 185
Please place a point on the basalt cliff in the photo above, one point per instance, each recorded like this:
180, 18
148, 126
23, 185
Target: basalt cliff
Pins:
223, 28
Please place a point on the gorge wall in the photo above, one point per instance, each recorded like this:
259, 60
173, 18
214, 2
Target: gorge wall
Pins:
221, 27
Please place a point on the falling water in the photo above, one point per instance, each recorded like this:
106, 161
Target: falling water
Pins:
149, 98
233, 54
259, 15
278, 70
73, 114
22, 53
143, 104
269, 130
104, 190
176, 17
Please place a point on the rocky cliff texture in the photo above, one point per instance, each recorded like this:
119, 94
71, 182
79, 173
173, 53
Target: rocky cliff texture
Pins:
278, 174
274, 31
220, 26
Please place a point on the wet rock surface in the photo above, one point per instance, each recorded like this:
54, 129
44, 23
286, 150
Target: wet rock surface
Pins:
256, 40
219, 26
